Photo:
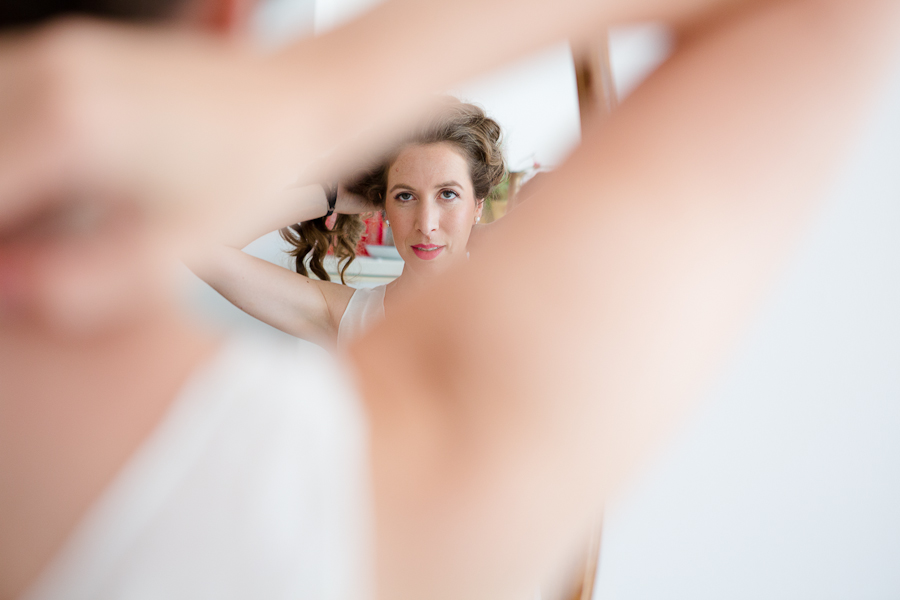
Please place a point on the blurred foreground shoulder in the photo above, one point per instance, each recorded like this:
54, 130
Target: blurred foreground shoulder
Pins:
255, 484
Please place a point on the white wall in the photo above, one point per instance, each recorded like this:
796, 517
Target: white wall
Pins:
535, 99
786, 484
278, 22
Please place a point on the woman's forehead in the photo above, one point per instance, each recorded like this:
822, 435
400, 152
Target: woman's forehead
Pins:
426, 165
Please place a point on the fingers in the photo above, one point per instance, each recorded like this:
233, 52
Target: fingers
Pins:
104, 120
175, 122
72, 239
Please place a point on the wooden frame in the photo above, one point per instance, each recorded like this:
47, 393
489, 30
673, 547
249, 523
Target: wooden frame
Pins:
593, 76
596, 100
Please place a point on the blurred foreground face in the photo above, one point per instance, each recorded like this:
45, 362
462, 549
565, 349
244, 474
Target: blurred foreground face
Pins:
88, 265
430, 202
82, 270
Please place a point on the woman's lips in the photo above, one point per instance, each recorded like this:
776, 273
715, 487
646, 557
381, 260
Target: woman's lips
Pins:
427, 251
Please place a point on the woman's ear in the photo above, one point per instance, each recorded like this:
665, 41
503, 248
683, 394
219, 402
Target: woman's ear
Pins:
479, 208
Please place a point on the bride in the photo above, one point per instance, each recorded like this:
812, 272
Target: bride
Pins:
431, 190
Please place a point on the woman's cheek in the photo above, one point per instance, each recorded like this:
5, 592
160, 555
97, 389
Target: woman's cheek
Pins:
460, 224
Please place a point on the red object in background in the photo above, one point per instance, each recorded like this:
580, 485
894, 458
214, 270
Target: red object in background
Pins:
374, 233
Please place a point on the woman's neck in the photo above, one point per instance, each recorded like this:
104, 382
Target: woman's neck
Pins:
408, 281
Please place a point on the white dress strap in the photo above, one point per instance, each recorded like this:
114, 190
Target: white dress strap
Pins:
366, 308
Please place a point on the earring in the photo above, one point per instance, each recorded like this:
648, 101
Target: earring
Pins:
477, 219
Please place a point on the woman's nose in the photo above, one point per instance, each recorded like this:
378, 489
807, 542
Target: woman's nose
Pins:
427, 218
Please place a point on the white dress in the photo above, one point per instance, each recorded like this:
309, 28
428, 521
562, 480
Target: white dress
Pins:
366, 308
254, 485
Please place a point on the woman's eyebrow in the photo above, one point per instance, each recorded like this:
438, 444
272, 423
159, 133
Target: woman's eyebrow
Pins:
406, 186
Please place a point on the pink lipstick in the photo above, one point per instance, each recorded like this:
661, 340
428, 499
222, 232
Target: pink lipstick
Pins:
427, 251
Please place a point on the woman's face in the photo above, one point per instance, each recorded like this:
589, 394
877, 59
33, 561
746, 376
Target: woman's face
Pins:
431, 205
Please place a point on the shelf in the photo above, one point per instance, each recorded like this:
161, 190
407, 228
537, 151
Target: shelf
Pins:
366, 271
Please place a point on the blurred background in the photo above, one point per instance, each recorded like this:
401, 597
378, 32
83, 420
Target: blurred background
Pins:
786, 482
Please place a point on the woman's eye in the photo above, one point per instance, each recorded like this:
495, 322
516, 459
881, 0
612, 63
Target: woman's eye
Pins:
449, 195
404, 196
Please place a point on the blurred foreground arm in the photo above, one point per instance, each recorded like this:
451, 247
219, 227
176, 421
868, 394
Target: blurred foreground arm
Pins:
534, 399
183, 124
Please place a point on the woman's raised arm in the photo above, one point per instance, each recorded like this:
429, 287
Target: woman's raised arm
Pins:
281, 298
298, 305
546, 370
191, 125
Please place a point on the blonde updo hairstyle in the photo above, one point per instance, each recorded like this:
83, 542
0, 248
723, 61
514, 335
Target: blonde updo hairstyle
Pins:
473, 133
